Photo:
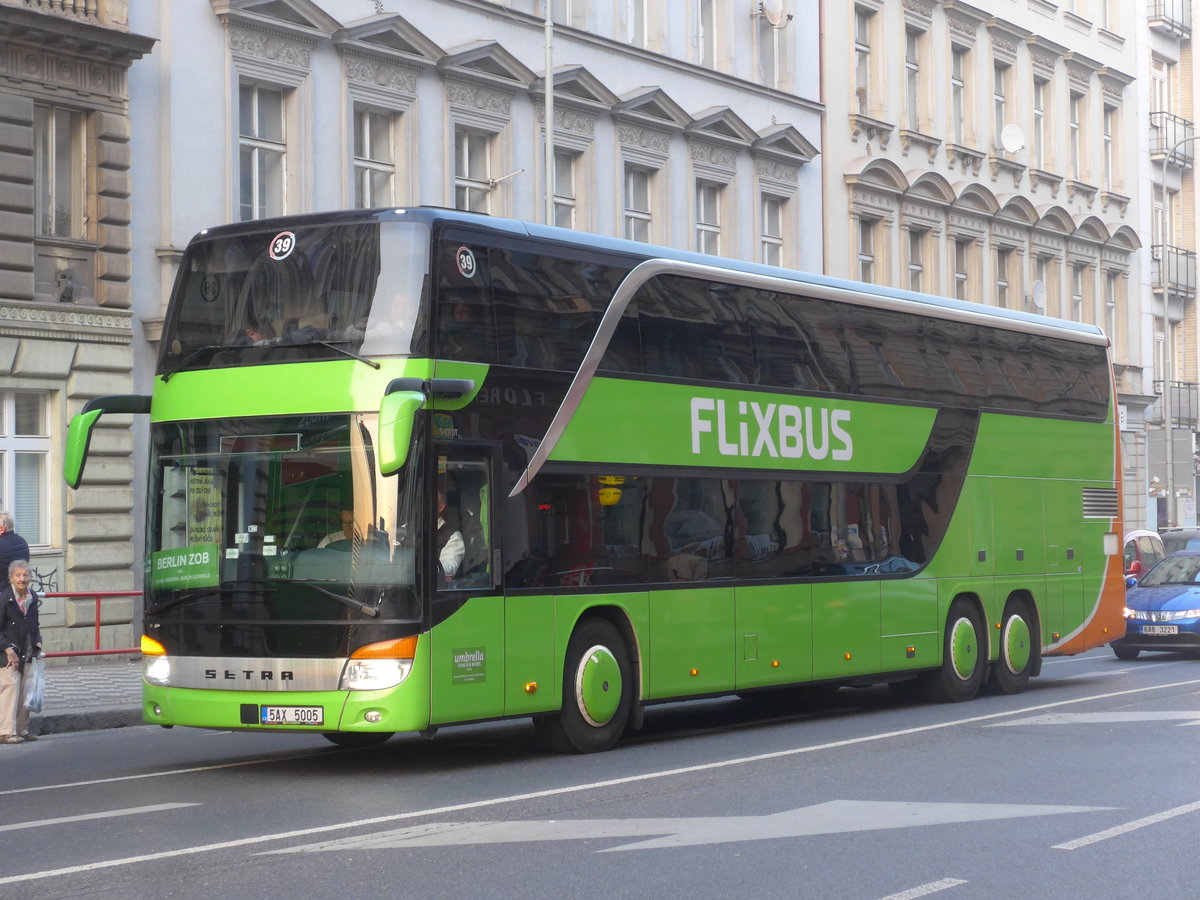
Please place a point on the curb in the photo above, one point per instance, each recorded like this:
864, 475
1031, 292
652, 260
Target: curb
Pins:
68, 720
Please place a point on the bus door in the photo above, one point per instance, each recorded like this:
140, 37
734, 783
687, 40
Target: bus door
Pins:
467, 638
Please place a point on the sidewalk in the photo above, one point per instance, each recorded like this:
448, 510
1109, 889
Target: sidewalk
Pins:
82, 695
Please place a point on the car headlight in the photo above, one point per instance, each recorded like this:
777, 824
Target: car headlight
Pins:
157, 670
374, 674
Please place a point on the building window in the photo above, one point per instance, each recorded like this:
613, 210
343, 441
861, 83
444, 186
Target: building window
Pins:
706, 32
772, 230
1161, 75
59, 164
1078, 312
1075, 115
1039, 123
916, 259
1000, 99
262, 152
472, 170
564, 188
962, 259
1110, 309
862, 59
1041, 286
912, 79
866, 249
634, 20
769, 50
637, 203
958, 93
1003, 259
1110, 119
24, 462
708, 217
374, 161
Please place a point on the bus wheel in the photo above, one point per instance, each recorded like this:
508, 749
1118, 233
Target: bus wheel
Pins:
963, 657
1124, 652
357, 739
597, 692
1018, 651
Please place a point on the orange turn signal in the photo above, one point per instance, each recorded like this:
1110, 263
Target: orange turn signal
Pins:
151, 647
400, 648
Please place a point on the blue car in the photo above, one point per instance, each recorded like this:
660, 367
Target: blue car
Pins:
1162, 610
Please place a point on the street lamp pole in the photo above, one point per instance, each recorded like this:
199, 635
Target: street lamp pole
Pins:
1167, 360
548, 147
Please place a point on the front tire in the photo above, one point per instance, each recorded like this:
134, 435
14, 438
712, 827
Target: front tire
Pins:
1125, 653
597, 692
1018, 651
963, 657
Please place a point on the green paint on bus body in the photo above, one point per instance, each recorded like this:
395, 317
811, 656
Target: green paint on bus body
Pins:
636, 422
300, 388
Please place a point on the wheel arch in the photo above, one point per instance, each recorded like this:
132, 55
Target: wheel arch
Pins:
619, 619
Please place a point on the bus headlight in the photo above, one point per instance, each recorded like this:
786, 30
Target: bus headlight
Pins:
374, 674
157, 670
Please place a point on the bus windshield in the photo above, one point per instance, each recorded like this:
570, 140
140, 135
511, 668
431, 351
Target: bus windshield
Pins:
282, 519
323, 291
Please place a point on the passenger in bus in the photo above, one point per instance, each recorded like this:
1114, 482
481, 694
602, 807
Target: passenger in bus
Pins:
449, 539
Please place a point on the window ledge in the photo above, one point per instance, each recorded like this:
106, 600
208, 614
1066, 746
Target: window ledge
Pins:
928, 143
873, 129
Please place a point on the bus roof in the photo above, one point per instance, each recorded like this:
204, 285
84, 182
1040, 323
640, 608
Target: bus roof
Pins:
1016, 320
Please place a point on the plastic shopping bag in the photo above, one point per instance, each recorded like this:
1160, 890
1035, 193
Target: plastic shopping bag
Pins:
35, 684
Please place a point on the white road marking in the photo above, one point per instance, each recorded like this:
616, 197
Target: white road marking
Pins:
110, 814
925, 890
188, 771
1119, 830
1103, 718
568, 789
833, 817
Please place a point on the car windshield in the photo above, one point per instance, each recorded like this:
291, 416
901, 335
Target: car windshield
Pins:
1181, 569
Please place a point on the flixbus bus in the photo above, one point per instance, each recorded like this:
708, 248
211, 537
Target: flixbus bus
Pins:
416, 467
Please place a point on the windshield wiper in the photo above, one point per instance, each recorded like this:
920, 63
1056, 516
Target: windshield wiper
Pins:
186, 595
194, 354
332, 345
348, 601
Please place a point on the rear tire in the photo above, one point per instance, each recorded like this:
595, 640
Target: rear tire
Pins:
357, 740
1018, 651
963, 657
597, 692
1125, 653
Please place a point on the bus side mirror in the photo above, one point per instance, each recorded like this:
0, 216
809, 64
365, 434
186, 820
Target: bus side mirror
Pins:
396, 414
79, 432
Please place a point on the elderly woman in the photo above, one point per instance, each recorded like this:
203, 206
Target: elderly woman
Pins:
22, 641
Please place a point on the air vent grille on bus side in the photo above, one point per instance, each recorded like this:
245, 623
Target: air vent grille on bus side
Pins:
1100, 503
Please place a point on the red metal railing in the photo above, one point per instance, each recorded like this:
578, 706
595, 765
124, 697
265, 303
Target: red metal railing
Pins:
99, 596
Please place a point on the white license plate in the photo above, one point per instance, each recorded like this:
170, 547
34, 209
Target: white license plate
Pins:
293, 715
1160, 629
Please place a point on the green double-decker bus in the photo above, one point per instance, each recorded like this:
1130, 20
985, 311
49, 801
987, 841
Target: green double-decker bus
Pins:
417, 467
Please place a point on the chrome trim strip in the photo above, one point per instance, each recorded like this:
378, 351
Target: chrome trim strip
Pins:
652, 268
224, 673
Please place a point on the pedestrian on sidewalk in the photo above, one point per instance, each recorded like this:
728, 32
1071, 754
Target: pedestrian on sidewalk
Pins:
12, 545
21, 639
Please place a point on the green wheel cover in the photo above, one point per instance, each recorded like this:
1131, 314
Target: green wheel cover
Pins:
964, 648
598, 686
1016, 644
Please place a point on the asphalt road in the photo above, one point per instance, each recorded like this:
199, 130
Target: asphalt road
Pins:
1083, 786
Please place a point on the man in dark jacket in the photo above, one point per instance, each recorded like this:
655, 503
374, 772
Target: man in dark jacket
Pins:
20, 642
12, 545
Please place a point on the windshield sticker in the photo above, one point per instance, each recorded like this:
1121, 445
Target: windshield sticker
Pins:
194, 566
241, 538
466, 262
282, 245
231, 552
270, 549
